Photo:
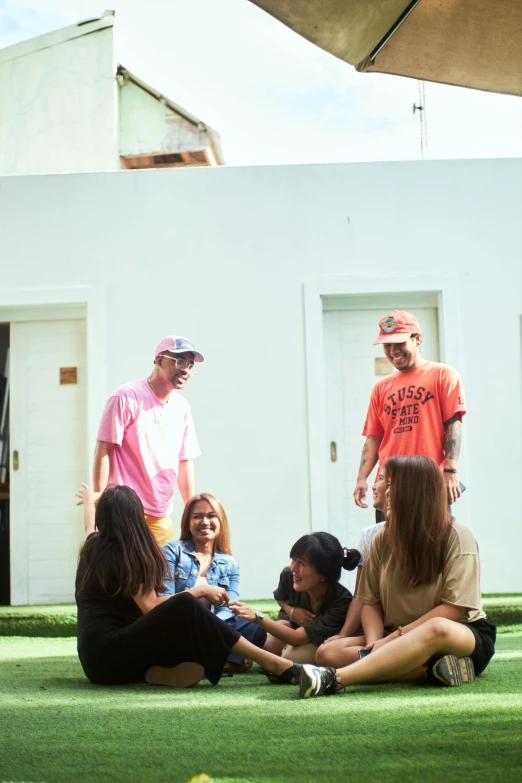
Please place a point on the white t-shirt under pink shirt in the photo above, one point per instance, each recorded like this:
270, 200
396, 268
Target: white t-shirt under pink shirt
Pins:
150, 437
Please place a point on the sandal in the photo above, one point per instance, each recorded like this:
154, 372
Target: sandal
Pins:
184, 675
288, 677
238, 668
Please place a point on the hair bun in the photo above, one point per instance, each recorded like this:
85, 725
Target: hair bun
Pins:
351, 559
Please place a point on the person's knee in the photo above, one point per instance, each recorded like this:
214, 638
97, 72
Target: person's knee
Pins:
301, 654
336, 654
325, 654
437, 629
273, 645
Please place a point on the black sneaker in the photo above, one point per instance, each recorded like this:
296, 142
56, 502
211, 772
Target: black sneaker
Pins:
453, 671
317, 681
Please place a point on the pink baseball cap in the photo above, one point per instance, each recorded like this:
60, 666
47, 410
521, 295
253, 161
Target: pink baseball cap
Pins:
177, 344
396, 327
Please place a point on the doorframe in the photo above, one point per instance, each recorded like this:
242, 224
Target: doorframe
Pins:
445, 286
35, 304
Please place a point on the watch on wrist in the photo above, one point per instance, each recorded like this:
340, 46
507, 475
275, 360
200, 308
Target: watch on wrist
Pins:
258, 619
450, 470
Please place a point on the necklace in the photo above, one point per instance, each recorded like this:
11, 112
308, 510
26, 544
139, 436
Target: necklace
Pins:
155, 393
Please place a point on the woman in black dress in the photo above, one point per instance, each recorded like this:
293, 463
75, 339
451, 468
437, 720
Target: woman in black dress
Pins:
126, 632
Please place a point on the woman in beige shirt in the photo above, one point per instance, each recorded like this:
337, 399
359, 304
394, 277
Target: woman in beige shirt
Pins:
422, 612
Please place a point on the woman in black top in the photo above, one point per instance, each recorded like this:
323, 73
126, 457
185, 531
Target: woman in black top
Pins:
126, 632
313, 602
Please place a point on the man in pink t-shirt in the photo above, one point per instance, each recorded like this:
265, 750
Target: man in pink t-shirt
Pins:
146, 437
416, 410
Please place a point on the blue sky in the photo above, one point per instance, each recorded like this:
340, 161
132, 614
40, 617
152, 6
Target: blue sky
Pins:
274, 97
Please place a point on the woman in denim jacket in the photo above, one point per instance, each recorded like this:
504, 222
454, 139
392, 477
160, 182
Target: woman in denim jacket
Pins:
201, 563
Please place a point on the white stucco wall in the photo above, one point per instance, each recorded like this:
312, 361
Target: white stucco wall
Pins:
221, 255
58, 106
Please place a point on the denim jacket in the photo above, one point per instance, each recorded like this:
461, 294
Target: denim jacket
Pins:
184, 571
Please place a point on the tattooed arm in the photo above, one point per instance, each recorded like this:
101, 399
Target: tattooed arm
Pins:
369, 457
452, 438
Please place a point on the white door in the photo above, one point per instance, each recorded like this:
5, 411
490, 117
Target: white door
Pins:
48, 457
352, 367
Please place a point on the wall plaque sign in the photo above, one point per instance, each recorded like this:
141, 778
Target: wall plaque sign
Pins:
68, 375
383, 366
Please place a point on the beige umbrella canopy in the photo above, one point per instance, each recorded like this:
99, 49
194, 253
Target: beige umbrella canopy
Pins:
470, 43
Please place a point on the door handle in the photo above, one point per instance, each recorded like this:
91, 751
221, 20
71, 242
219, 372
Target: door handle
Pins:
333, 451
16, 460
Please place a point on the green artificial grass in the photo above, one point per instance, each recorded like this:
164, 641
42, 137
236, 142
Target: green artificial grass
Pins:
58, 728
54, 620
60, 619
503, 608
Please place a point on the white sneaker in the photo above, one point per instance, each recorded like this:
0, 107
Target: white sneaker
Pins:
317, 681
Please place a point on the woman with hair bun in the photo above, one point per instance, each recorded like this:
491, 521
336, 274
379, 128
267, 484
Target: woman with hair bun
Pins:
312, 600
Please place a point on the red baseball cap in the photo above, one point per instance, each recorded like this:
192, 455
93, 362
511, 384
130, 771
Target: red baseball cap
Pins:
396, 327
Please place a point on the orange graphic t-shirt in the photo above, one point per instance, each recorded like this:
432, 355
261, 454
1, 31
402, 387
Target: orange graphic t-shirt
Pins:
408, 410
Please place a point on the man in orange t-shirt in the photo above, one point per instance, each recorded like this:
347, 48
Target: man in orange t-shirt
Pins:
417, 410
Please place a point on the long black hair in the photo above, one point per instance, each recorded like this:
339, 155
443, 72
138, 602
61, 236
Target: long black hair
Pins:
123, 554
323, 551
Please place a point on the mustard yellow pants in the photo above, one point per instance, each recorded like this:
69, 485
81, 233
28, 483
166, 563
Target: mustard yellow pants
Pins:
161, 528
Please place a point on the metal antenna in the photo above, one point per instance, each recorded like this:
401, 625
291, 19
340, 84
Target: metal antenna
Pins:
421, 108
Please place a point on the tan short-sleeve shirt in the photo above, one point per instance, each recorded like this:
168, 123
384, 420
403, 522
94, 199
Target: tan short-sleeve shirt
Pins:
458, 584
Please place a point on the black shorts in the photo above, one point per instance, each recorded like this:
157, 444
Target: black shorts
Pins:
485, 635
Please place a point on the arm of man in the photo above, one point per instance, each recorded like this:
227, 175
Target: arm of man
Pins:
101, 465
369, 457
452, 440
186, 479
